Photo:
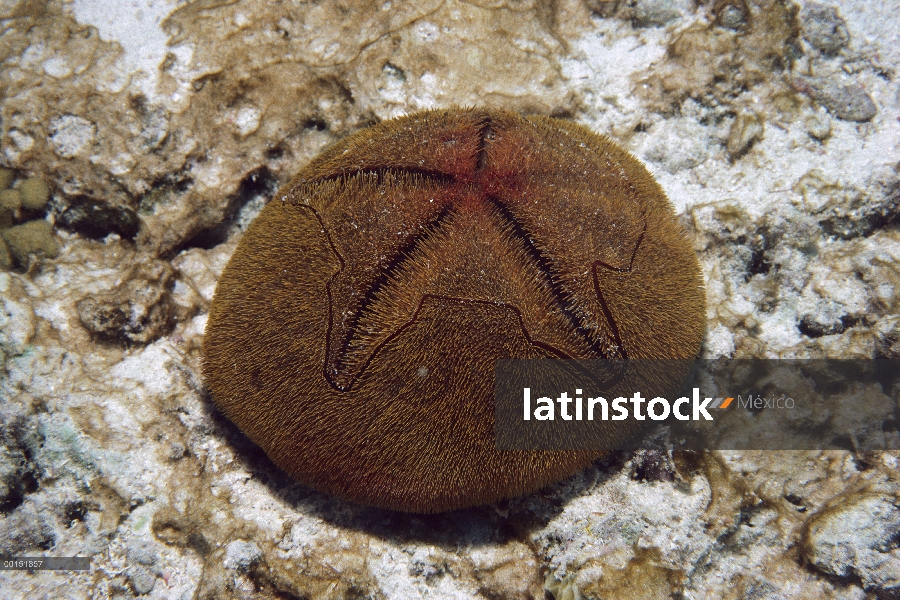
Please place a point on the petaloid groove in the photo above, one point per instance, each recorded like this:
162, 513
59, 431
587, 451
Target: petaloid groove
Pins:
354, 332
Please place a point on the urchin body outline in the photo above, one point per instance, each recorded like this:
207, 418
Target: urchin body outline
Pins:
620, 170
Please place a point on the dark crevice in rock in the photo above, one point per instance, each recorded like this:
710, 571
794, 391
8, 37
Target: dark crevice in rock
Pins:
873, 218
864, 211
47, 544
316, 124
759, 263
96, 219
796, 501
75, 511
812, 328
759, 245
198, 543
275, 152
848, 321
653, 465
164, 190
259, 182
25, 484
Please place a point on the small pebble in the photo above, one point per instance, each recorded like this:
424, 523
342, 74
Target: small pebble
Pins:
240, 555
142, 580
819, 126
732, 16
654, 13
33, 237
848, 102
6, 177
746, 130
35, 193
137, 311
143, 552
823, 28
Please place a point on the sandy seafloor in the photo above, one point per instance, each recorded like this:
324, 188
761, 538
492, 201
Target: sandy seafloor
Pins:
160, 129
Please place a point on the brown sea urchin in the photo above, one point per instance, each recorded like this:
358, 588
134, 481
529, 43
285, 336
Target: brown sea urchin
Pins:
354, 332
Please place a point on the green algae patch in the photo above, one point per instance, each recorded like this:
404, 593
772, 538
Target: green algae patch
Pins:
33, 237
35, 193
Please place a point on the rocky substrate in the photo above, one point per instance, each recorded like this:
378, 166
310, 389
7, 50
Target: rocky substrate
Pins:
137, 145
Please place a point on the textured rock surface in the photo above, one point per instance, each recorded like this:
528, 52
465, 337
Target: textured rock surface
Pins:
160, 131
856, 539
138, 310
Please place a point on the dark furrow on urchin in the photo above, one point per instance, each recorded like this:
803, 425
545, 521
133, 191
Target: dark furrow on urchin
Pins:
486, 132
393, 264
546, 269
369, 295
543, 264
